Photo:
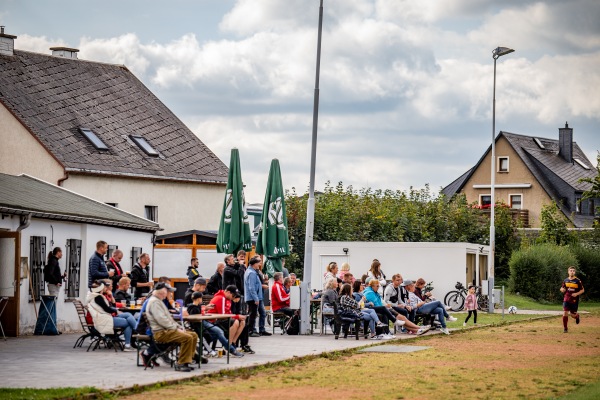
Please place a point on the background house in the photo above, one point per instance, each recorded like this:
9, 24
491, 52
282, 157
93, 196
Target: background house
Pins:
95, 129
35, 217
531, 172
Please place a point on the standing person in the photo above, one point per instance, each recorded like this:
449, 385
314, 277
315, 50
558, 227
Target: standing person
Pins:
192, 271
140, 277
97, 267
284, 270
344, 270
216, 281
471, 305
254, 295
113, 264
231, 274
376, 273
572, 289
52, 273
330, 273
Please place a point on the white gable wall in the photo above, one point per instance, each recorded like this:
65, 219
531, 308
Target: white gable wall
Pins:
444, 264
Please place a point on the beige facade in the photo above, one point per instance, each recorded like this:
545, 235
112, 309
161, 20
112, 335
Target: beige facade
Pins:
181, 206
533, 198
21, 153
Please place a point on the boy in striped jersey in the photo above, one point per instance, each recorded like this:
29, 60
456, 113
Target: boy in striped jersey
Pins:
572, 289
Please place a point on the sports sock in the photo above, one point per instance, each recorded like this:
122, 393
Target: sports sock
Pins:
565, 321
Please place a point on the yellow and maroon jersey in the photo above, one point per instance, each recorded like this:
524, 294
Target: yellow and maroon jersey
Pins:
573, 286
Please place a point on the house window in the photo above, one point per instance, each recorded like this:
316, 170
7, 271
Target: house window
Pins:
37, 257
578, 204
73, 268
111, 250
485, 200
516, 201
145, 146
591, 208
115, 205
93, 139
151, 213
502, 164
136, 252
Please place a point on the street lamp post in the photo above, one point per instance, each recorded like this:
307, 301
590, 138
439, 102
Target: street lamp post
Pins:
496, 53
305, 287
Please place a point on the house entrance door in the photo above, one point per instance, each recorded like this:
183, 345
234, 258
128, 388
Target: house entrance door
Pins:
9, 282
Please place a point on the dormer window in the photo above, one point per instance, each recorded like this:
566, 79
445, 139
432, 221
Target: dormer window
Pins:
145, 146
93, 139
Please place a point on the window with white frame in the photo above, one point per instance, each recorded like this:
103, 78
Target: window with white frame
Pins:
485, 200
502, 164
516, 201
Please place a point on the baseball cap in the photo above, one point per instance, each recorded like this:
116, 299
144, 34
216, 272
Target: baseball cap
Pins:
407, 282
200, 281
162, 285
196, 295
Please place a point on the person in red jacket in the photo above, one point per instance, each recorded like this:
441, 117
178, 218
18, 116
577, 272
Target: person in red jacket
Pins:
222, 305
280, 298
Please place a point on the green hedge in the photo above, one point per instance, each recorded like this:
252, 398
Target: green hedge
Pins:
538, 271
589, 270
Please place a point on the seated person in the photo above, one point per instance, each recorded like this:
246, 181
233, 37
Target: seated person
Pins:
348, 278
122, 292
199, 286
106, 317
434, 307
213, 331
349, 305
166, 330
329, 295
280, 298
419, 287
372, 296
222, 305
170, 302
392, 296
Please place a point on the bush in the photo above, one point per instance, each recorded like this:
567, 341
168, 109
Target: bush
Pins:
538, 271
588, 259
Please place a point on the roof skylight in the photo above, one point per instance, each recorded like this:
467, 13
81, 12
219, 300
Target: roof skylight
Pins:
93, 139
584, 165
145, 146
539, 143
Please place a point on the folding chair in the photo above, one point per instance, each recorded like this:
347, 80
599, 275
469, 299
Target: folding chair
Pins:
81, 313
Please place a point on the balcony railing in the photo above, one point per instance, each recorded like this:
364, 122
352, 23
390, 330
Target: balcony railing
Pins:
520, 216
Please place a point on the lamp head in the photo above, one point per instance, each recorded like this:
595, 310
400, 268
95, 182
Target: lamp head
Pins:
501, 51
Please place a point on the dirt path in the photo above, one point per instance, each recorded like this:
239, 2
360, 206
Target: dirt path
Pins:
521, 361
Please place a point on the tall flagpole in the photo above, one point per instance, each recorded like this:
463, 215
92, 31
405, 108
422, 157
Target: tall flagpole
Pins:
305, 288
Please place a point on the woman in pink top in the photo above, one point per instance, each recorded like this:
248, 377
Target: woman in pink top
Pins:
471, 305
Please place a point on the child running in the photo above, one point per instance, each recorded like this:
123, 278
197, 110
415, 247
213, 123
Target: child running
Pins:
572, 288
471, 305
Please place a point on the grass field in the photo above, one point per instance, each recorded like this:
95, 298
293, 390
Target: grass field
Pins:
529, 360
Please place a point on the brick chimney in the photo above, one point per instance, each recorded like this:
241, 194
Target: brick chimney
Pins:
7, 43
565, 143
65, 52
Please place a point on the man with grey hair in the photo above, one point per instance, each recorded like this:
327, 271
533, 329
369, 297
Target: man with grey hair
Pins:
280, 299
113, 264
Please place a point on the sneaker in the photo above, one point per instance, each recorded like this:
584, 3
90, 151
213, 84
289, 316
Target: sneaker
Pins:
566, 330
248, 350
254, 334
422, 330
445, 330
464, 324
411, 333
400, 323
264, 333
182, 367
192, 365
577, 319
451, 318
380, 324
375, 337
128, 347
212, 353
236, 354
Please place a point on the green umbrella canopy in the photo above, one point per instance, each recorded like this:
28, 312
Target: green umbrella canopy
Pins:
234, 228
273, 240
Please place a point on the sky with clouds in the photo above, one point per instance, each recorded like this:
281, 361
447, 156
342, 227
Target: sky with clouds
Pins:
405, 89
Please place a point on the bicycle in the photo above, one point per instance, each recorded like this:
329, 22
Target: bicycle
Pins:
456, 298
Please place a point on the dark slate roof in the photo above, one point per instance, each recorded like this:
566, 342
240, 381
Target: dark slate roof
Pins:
22, 195
54, 96
559, 178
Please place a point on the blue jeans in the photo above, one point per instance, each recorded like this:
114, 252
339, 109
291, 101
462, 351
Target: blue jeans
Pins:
262, 316
435, 308
371, 316
216, 333
125, 320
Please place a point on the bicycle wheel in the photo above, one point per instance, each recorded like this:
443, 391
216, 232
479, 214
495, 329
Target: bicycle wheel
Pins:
482, 303
455, 301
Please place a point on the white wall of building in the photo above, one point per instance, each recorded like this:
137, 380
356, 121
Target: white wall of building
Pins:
174, 262
181, 206
57, 233
444, 264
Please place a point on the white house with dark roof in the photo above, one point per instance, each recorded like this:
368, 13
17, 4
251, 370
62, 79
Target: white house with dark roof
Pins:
35, 217
95, 129
531, 172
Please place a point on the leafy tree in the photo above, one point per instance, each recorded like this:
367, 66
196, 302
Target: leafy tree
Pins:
554, 225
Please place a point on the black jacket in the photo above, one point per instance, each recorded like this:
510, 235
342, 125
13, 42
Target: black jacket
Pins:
232, 276
139, 275
52, 273
111, 264
214, 284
